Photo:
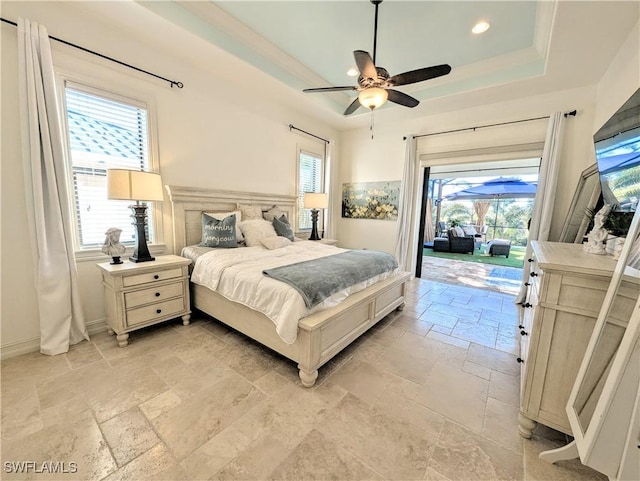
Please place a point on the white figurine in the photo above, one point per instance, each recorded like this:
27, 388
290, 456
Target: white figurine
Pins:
598, 235
112, 245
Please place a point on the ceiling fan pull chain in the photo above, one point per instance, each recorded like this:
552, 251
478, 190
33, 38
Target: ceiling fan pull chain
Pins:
371, 125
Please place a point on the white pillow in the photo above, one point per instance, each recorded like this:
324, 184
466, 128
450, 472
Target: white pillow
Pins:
256, 230
250, 212
459, 231
277, 242
222, 215
469, 230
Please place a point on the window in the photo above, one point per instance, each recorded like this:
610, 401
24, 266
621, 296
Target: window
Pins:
310, 179
104, 132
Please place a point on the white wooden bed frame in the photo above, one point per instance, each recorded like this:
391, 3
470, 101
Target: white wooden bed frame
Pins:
321, 335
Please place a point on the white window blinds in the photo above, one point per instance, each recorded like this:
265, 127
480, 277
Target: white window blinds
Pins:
103, 133
310, 179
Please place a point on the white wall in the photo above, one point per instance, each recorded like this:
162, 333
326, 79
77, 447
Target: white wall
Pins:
227, 129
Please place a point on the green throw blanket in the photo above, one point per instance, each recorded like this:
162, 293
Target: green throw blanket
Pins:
318, 279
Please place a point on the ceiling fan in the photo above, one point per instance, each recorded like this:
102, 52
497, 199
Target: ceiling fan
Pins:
374, 83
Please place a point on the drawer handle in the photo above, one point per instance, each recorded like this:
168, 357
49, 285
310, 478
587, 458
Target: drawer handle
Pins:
527, 284
157, 294
524, 333
520, 326
529, 259
520, 360
533, 274
526, 304
158, 311
156, 277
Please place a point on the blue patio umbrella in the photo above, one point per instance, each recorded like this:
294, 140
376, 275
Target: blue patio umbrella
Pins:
499, 188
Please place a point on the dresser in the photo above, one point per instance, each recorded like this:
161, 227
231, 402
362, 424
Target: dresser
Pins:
143, 294
564, 295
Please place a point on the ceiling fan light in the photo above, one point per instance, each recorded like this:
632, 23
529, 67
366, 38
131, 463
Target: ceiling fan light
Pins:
481, 27
373, 97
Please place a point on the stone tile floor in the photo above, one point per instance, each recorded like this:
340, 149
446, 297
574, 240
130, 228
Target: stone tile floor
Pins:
430, 393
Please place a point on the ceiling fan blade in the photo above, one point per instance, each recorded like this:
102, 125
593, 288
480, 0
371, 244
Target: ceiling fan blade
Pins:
353, 106
329, 89
365, 64
401, 98
420, 75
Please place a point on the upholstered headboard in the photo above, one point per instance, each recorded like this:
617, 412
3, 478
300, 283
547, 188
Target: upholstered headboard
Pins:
188, 204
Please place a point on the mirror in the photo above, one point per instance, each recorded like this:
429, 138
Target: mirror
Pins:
601, 404
584, 199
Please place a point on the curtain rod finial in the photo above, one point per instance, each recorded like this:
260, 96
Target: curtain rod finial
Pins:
572, 113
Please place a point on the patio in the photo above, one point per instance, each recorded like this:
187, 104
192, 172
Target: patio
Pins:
472, 274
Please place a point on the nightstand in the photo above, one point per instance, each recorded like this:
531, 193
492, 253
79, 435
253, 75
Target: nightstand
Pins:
142, 294
330, 242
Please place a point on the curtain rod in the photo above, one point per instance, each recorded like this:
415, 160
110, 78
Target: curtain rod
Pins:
567, 114
171, 82
293, 127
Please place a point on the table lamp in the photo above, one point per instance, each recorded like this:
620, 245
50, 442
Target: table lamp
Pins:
140, 186
315, 201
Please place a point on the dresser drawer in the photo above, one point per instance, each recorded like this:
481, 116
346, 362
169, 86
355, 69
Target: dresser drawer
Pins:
149, 277
143, 315
153, 294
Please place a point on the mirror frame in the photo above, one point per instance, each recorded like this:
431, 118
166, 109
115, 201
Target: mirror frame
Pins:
591, 204
587, 437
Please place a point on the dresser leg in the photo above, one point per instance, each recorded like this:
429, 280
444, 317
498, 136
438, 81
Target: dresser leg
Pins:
123, 339
525, 426
308, 378
110, 331
401, 307
186, 319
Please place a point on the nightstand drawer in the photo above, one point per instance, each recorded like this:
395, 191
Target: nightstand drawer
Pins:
153, 294
163, 275
155, 311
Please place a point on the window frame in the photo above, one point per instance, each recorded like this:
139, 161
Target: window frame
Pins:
156, 242
323, 183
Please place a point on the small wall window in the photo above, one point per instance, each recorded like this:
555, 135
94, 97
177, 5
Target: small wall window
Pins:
310, 179
103, 131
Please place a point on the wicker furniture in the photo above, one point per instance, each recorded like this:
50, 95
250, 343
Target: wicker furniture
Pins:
500, 247
461, 245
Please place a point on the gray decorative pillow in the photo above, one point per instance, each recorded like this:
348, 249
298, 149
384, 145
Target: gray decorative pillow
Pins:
274, 213
282, 227
218, 233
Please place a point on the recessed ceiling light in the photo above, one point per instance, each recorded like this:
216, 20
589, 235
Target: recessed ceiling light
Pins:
352, 72
481, 27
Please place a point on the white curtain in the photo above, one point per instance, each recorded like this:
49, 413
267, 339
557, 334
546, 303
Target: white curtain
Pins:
48, 213
334, 197
405, 232
545, 193
429, 232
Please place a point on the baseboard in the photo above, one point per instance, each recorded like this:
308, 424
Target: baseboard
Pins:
26, 346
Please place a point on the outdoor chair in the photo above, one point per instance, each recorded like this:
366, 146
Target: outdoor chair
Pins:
460, 244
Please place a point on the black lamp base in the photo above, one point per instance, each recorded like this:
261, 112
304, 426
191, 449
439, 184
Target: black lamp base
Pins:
314, 225
141, 251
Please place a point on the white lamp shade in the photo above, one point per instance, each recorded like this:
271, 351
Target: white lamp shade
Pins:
373, 97
315, 200
134, 185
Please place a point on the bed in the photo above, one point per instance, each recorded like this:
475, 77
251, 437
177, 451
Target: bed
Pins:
322, 334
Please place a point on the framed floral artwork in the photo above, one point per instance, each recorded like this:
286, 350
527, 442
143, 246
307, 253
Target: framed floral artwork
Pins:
370, 200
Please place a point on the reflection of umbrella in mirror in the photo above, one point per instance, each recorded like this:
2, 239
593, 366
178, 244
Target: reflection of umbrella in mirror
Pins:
615, 163
500, 188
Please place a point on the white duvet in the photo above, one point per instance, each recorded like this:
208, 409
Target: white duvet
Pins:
237, 275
